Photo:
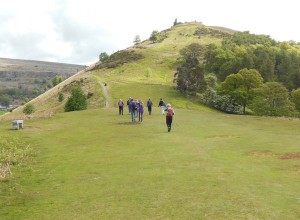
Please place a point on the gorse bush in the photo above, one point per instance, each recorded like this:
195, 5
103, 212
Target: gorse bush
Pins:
77, 101
29, 109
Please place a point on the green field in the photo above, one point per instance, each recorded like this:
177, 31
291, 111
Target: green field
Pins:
96, 164
2, 112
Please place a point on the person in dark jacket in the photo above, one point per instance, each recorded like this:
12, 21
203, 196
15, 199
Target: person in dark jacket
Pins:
128, 104
132, 110
141, 110
149, 105
162, 104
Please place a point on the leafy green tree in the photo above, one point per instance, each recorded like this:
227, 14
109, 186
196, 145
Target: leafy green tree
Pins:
103, 56
192, 51
154, 37
77, 101
296, 98
272, 99
137, 40
29, 109
239, 87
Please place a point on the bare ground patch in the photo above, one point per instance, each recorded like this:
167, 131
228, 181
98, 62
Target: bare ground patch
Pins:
290, 156
261, 154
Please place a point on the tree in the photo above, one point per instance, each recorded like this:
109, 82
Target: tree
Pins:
154, 37
29, 109
103, 56
239, 87
137, 40
190, 75
77, 101
272, 99
4, 100
56, 80
296, 98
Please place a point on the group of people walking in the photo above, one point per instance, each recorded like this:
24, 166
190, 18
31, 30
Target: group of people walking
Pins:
136, 109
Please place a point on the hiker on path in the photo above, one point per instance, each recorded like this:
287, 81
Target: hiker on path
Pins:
149, 105
141, 111
121, 105
162, 104
169, 116
132, 110
128, 104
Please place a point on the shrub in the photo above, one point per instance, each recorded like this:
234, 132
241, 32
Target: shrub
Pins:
77, 101
60, 97
29, 109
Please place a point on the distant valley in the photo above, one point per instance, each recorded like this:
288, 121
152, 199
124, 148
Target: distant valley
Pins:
30, 77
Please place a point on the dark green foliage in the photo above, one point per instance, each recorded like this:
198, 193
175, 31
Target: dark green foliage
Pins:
296, 98
190, 75
77, 101
61, 97
29, 109
154, 37
56, 80
272, 99
119, 58
103, 57
275, 61
239, 87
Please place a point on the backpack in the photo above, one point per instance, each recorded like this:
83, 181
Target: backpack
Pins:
169, 112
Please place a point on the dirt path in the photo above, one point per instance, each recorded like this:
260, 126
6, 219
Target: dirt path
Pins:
105, 92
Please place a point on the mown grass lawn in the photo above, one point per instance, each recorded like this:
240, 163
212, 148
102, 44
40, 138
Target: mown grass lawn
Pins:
96, 164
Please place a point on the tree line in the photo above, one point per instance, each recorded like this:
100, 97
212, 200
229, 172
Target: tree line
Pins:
247, 73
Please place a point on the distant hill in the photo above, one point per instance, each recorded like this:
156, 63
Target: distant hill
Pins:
33, 74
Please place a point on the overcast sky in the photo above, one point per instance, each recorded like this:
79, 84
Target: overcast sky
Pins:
77, 31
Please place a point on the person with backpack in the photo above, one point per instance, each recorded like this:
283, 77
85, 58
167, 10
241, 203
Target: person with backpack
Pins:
141, 110
128, 104
132, 110
162, 105
149, 105
169, 116
120, 104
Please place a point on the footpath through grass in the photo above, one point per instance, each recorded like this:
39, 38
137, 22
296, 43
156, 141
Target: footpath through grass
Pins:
96, 164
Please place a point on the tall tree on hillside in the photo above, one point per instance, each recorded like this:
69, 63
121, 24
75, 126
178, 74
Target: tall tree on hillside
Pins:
154, 37
137, 40
190, 75
103, 56
239, 87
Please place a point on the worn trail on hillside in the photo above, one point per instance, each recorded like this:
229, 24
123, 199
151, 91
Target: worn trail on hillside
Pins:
105, 92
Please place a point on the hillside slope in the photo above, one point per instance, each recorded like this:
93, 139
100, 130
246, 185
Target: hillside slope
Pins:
141, 71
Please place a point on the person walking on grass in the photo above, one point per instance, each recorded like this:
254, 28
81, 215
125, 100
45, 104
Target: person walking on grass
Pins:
162, 104
149, 105
121, 105
132, 110
169, 116
141, 110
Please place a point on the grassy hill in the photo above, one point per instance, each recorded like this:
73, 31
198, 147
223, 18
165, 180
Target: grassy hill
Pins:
95, 164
